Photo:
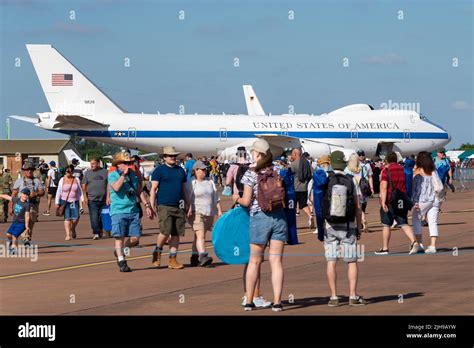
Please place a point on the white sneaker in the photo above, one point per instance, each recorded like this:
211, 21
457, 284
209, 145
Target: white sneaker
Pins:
315, 231
414, 248
244, 300
260, 302
421, 248
430, 250
95, 237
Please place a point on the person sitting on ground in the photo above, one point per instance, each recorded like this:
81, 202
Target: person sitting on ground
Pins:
21, 219
203, 206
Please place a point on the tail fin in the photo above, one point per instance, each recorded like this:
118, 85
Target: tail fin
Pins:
67, 90
254, 108
71, 154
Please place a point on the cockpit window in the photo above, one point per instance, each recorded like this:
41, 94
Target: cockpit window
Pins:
424, 118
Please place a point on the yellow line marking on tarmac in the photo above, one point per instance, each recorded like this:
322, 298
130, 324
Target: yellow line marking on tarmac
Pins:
68, 268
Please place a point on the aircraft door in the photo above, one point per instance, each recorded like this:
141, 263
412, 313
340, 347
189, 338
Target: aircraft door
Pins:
354, 135
223, 134
132, 135
406, 135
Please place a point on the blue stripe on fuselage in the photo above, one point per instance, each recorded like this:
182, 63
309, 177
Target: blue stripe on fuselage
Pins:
251, 134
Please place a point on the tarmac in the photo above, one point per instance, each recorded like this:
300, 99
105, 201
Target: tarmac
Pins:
81, 277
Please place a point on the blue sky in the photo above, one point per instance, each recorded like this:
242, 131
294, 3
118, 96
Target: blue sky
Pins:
289, 62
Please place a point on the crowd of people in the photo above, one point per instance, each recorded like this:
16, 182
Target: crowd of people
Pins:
332, 192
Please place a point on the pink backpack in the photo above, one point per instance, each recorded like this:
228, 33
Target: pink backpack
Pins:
270, 191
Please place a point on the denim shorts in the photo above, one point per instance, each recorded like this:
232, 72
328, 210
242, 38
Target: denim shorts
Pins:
265, 226
71, 212
126, 225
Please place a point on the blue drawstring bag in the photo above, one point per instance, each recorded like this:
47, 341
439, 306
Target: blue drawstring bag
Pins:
288, 179
319, 186
231, 236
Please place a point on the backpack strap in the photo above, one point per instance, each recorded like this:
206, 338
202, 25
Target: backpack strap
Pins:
390, 183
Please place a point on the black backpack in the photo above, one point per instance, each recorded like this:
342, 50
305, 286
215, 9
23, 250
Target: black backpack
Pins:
400, 202
240, 173
335, 210
57, 177
364, 184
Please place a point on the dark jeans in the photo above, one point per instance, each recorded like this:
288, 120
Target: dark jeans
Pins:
95, 209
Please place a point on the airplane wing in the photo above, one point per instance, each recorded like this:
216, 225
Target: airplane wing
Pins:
28, 119
76, 122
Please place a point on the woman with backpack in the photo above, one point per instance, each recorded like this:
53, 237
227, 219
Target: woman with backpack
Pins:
427, 197
264, 194
359, 173
203, 206
68, 197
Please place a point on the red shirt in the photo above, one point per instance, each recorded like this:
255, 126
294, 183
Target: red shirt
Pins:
398, 178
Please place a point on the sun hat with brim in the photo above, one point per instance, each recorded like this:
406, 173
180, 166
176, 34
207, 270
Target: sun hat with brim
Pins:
170, 151
121, 157
260, 145
28, 165
199, 165
324, 159
337, 160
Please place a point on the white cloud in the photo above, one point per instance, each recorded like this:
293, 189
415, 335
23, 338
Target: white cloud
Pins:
461, 105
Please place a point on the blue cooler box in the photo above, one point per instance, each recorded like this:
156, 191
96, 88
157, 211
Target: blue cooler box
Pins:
106, 220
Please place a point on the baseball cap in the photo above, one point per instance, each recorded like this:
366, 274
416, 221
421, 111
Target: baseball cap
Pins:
26, 191
199, 165
260, 145
442, 150
337, 160
52, 163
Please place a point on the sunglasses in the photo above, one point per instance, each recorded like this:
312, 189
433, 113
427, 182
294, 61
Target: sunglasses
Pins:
172, 156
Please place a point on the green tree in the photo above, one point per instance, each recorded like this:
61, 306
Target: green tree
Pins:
89, 148
466, 147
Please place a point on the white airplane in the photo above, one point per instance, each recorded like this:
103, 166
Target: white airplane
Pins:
80, 108
71, 155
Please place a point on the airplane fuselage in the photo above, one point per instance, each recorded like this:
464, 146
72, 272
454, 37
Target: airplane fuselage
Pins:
208, 134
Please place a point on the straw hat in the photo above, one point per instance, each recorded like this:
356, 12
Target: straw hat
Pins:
121, 157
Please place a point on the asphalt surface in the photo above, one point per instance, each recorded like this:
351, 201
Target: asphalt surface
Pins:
81, 277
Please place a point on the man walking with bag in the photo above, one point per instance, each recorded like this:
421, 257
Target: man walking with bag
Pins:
395, 204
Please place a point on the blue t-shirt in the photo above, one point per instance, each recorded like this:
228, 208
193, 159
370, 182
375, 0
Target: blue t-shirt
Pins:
442, 167
171, 181
188, 166
123, 201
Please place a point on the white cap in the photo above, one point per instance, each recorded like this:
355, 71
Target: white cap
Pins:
260, 145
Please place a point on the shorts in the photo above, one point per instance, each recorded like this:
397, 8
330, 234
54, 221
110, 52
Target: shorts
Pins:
172, 220
201, 222
387, 218
126, 225
302, 199
52, 191
334, 239
16, 229
71, 212
265, 226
